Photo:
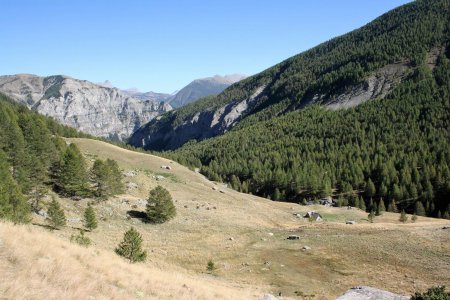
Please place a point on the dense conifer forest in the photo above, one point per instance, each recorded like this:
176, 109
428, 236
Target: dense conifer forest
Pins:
391, 153
34, 159
392, 150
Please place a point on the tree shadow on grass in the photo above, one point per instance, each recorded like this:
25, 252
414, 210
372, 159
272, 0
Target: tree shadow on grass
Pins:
136, 214
49, 227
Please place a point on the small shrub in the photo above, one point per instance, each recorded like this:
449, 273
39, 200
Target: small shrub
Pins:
403, 217
210, 266
81, 239
371, 216
434, 293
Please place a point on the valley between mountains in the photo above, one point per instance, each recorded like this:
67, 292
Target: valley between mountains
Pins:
325, 176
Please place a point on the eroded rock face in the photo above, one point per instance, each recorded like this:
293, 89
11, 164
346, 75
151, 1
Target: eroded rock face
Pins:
378, 85
209, 123
370, 293
94, 109
202, 125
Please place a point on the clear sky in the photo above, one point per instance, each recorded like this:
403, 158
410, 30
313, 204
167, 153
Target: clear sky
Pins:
163, 45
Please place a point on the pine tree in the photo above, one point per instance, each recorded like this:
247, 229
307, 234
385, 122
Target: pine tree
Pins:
101, 179
160, 207
403, 217
72, 178
381, 206
107, 178
362, 204
90, 219
370, 189
276, 195
414, 218
392, 207
115, 177
13, 204
56, 216
419, 209
131, 246
371, 216
378, 210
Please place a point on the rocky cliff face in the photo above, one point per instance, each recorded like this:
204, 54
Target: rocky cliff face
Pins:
98, 110
163, 134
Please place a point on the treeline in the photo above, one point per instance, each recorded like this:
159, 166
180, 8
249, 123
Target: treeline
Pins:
34, 159
393, 152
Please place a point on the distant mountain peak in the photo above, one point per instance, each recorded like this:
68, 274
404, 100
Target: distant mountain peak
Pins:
203, 87
106, 83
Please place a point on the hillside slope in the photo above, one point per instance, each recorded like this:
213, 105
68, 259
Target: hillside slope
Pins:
85, 106
385, 153
36, 264
362, 65
244, 235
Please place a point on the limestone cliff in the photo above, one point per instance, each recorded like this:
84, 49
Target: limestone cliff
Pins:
94, 109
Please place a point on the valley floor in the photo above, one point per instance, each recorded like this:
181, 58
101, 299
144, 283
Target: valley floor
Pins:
245, 236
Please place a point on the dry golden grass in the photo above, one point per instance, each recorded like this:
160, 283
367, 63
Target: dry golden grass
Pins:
36, 265
246, 238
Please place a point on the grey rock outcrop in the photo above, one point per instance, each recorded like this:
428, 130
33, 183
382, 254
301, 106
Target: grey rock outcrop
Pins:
91, 108
209, 123
202, 125
370, 293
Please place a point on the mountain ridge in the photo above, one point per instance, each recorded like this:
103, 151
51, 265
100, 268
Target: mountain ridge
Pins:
91, 108
316, 76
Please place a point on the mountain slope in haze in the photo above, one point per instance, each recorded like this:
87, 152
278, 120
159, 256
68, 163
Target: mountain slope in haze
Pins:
200, 88
195, 90
88, 107
147, 96
362, 65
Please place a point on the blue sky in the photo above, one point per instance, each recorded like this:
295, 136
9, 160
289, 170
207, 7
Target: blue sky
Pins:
163, 45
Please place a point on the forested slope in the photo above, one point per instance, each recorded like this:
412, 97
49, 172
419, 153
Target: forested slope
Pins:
33, 157
395, 150
339, 70
390, 153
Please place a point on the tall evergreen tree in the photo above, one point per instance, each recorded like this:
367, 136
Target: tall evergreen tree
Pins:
116, 177
370, 189
56, 216
13, 205
72, 179
107, 178
90, 219
419, 209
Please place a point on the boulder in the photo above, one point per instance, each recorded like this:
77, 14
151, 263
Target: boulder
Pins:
269, 297
370, 293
